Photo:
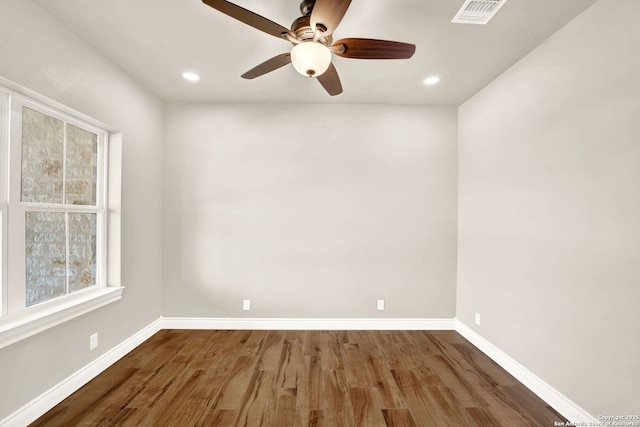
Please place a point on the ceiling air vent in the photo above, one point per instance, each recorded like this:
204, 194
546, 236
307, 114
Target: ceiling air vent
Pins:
477, 11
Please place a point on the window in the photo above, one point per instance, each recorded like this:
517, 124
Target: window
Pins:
57, 251
60, 197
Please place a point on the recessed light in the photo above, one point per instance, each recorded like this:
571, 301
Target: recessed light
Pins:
192, 77
431, 80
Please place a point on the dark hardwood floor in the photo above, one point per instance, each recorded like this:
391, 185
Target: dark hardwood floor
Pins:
303, 378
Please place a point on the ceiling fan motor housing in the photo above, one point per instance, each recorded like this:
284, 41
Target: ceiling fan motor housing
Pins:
301, 27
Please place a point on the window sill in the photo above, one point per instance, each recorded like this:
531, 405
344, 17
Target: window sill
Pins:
14, 329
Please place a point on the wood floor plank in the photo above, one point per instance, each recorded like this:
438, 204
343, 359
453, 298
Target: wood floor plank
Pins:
161, 352
233, 392
399, 418
244, 342
428, 376
285, 407
303, 379
254, 405
405, 378
503, 407
389, 348
481, 417
331, 356
355, 366
367, 411
222, 365
534, 409
157, 385
218, 417
336, 400
309, 384
103, 386
384, 384
483, 366
271, 350
408, 355
443, 402
129, 417
462, 385
290, 358
316, 419
212, 349
417, 405
313, 418
184, 403
58, 414
316, 340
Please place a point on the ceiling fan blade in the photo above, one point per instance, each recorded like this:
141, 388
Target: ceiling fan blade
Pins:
328, 13
330, 81
268, 66
374, 49
248, 17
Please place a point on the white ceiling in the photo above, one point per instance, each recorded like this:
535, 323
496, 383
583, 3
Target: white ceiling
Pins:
156, 40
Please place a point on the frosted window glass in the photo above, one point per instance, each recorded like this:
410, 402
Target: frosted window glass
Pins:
50, 238
82, 251
46, 246
42, 157
81, 167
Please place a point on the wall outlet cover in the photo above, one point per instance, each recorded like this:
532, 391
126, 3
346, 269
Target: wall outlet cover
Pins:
93, 341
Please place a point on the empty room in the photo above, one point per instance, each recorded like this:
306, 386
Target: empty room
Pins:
320, 213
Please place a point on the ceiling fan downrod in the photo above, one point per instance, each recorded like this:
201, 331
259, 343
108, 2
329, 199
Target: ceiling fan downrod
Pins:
306, 7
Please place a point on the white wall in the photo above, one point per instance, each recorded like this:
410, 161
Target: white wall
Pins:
310, 210
42, 55
549, 210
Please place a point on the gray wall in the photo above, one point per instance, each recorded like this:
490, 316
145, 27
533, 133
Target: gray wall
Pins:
323, 223
549, 210
40, 54
310, 210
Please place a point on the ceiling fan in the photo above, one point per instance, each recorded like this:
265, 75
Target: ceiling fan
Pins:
313, 45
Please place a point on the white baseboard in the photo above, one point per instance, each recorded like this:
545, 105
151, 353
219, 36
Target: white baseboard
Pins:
306, 324
550, 395
43, 403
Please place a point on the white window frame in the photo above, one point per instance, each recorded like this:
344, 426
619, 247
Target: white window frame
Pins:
5, 106
18, 321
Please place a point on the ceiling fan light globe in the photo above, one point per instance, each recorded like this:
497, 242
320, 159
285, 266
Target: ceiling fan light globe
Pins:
310, 58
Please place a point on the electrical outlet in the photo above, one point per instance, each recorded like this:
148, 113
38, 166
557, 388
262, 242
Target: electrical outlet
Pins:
478, 319
380, 304
246, 304
93, 341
